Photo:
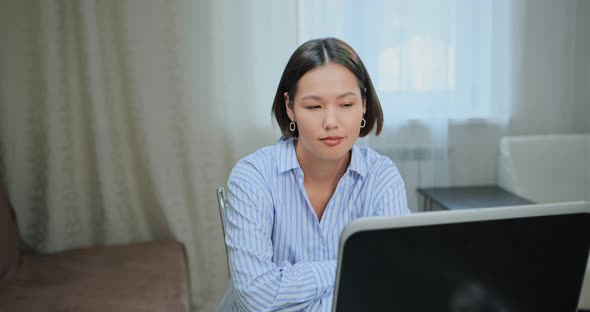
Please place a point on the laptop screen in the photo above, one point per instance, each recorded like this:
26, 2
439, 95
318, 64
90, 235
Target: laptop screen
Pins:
517, 264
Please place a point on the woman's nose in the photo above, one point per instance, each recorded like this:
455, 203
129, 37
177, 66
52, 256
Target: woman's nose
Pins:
330, 119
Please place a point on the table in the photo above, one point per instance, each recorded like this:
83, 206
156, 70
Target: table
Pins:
464, 197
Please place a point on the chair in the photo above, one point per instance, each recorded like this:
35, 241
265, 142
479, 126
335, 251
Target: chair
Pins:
116, 278
221, 202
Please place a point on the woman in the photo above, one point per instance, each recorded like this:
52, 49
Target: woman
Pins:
288, 203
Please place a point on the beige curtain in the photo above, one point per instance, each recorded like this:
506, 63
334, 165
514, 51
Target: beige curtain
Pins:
118, 119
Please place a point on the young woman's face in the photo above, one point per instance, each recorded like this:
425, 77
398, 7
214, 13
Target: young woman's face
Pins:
328, 109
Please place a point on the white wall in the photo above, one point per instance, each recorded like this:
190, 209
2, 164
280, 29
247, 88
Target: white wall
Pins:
552, 93
582, 113
551, 69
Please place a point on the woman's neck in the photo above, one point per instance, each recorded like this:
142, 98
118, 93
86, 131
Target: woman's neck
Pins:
319, 170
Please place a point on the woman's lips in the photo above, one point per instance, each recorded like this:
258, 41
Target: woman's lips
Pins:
332, 141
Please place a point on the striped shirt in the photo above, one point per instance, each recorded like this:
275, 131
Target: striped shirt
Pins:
281, 257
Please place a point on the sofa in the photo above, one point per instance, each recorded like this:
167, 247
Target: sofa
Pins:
148, 276
548, 169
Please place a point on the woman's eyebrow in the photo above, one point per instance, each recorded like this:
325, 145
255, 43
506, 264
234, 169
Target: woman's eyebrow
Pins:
315, 97
346, 94
311, 97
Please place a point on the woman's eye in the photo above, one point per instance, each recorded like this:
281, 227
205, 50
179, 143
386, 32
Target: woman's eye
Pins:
347, 104
313, 107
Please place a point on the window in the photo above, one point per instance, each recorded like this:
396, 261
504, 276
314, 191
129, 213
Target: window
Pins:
427, 59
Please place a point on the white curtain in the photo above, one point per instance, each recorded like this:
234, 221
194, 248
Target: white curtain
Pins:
118, 119
432, 62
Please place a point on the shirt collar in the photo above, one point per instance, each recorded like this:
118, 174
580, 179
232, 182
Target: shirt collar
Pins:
287, 159
358, 162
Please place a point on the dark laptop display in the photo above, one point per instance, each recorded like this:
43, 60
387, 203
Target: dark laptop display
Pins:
523, 263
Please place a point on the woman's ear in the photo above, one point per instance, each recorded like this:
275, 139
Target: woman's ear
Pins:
288, 105
364, 97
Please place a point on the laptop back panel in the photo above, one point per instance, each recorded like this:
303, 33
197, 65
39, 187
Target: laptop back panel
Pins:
521, 264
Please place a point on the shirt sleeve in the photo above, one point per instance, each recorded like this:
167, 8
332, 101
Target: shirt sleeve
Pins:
260, 284
323, 304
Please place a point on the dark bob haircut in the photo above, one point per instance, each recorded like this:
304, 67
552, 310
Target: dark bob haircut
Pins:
316, 53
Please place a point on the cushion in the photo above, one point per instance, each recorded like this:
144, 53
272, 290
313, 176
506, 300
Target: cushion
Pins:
151, 276
546, 168
9, 239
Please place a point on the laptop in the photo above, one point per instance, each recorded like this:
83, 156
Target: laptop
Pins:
508, 259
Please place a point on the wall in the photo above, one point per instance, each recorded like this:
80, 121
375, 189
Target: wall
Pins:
551, 93
582, 112
549, 75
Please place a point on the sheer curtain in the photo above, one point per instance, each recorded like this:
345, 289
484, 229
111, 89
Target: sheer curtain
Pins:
118, 119
431, 62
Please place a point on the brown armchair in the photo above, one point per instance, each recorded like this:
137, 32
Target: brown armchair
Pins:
150, 276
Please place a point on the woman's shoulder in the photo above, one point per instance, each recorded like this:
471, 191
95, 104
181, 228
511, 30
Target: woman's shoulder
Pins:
373, 158
377, 164
263, 160
259, 159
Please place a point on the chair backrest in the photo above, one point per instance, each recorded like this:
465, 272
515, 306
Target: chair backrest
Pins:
221, 202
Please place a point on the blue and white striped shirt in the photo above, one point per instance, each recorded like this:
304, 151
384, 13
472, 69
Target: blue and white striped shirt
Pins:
281, 257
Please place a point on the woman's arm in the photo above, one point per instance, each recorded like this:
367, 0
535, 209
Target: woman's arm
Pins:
260, 284
393, 199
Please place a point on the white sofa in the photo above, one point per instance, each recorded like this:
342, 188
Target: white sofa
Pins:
548, 169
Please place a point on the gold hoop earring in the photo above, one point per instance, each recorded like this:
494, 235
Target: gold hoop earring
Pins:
363, 122
292, 126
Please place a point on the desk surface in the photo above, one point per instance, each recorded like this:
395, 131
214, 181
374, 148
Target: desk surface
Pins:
452, 198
